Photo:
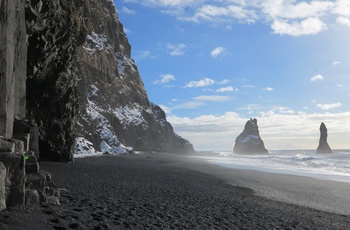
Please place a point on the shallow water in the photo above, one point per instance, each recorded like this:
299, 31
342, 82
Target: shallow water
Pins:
334, 166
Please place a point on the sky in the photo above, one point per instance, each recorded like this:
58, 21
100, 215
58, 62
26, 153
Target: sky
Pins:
212, 65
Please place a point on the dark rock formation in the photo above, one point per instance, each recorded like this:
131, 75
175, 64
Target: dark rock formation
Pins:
114, 110
2, 186
323, 146
249, 141
54, 29
12, 64
16, 137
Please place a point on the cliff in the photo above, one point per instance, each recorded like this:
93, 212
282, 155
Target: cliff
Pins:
67, 80
114, 109
249, 141
55, 29
323, 146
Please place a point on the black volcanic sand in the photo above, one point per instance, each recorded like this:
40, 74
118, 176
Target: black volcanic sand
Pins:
145, 191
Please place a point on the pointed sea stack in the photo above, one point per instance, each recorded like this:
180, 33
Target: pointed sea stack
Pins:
249, 141
323, 146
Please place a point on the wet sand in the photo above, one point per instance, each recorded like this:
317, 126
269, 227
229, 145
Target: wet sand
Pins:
167, 191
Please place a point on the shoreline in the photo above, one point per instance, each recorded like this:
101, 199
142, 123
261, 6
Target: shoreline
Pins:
312, 192
165, 191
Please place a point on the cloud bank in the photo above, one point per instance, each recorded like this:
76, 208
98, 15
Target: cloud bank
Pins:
287, 17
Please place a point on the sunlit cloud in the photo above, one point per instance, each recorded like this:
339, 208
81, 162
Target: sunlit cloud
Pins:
217, 51
268, 89
215, 13
165, 78
144, 54
128, 11
336, 63
176, 50
201, 83
215, 98
329, 106
226, 89
286, 17
317, 77
187, 105
308, 26
249, 86
343, 20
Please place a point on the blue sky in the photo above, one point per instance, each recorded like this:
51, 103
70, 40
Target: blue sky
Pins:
211, 65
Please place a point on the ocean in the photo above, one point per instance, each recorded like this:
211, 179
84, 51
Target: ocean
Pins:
334, 166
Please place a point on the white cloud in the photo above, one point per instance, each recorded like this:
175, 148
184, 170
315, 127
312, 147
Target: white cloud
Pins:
288, 10
342, 7
176, 50
187, 105
287, 17
329, 106
201, 83
216, 13
128, 11
144, 54
165, 3
340, 85
343, 20
211, 98
308, 26
268, 89
336, 63
317, 77
165, 78
217, 51
224, 81
226, 89
248, 86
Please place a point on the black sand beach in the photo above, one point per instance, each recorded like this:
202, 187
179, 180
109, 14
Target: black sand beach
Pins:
165, 191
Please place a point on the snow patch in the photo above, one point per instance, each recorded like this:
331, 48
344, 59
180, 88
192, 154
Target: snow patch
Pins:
96, 42
124, 63
132, 116
84, 148
109, 141
118, 150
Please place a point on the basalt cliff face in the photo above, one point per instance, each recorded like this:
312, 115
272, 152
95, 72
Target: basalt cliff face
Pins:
68, 85
55, 29
114, 109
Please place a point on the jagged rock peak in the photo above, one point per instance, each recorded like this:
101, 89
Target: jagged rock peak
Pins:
323, 146
249, 141
114, 109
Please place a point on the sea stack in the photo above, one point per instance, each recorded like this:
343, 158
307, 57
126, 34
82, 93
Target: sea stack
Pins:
323, 146
249, 141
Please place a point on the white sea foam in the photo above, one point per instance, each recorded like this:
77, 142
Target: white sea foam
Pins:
334, 166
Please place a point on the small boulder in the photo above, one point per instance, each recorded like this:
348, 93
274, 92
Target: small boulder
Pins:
32, 197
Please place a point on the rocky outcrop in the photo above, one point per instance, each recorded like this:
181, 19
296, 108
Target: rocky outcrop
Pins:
323, 146
249, 141
17, 135
114, 109
13, 54
2, 186
55, 29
